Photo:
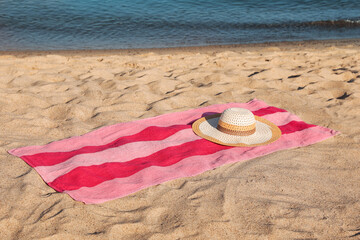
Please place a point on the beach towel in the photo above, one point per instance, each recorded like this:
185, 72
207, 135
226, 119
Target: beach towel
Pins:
117, 160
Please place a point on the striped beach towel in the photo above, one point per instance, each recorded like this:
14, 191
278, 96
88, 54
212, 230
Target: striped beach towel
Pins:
117, 160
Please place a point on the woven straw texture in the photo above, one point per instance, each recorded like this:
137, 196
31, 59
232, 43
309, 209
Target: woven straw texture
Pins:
237, 117
266, 132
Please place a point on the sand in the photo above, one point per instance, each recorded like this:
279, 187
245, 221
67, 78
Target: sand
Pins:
311, 192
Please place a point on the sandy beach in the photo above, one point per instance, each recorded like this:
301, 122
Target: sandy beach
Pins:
311, 192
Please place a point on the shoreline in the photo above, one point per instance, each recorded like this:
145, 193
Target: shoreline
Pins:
283, 45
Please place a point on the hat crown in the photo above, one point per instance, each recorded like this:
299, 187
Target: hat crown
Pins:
238, 117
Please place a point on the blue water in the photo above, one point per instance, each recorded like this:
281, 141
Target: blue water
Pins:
111, 24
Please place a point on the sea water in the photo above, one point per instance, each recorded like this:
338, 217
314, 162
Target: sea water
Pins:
122, 24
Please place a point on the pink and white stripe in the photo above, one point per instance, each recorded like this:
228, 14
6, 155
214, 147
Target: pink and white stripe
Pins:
117, 160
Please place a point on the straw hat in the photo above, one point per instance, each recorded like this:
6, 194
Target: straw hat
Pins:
237, 127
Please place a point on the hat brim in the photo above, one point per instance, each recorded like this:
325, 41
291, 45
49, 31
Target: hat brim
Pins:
266, 132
